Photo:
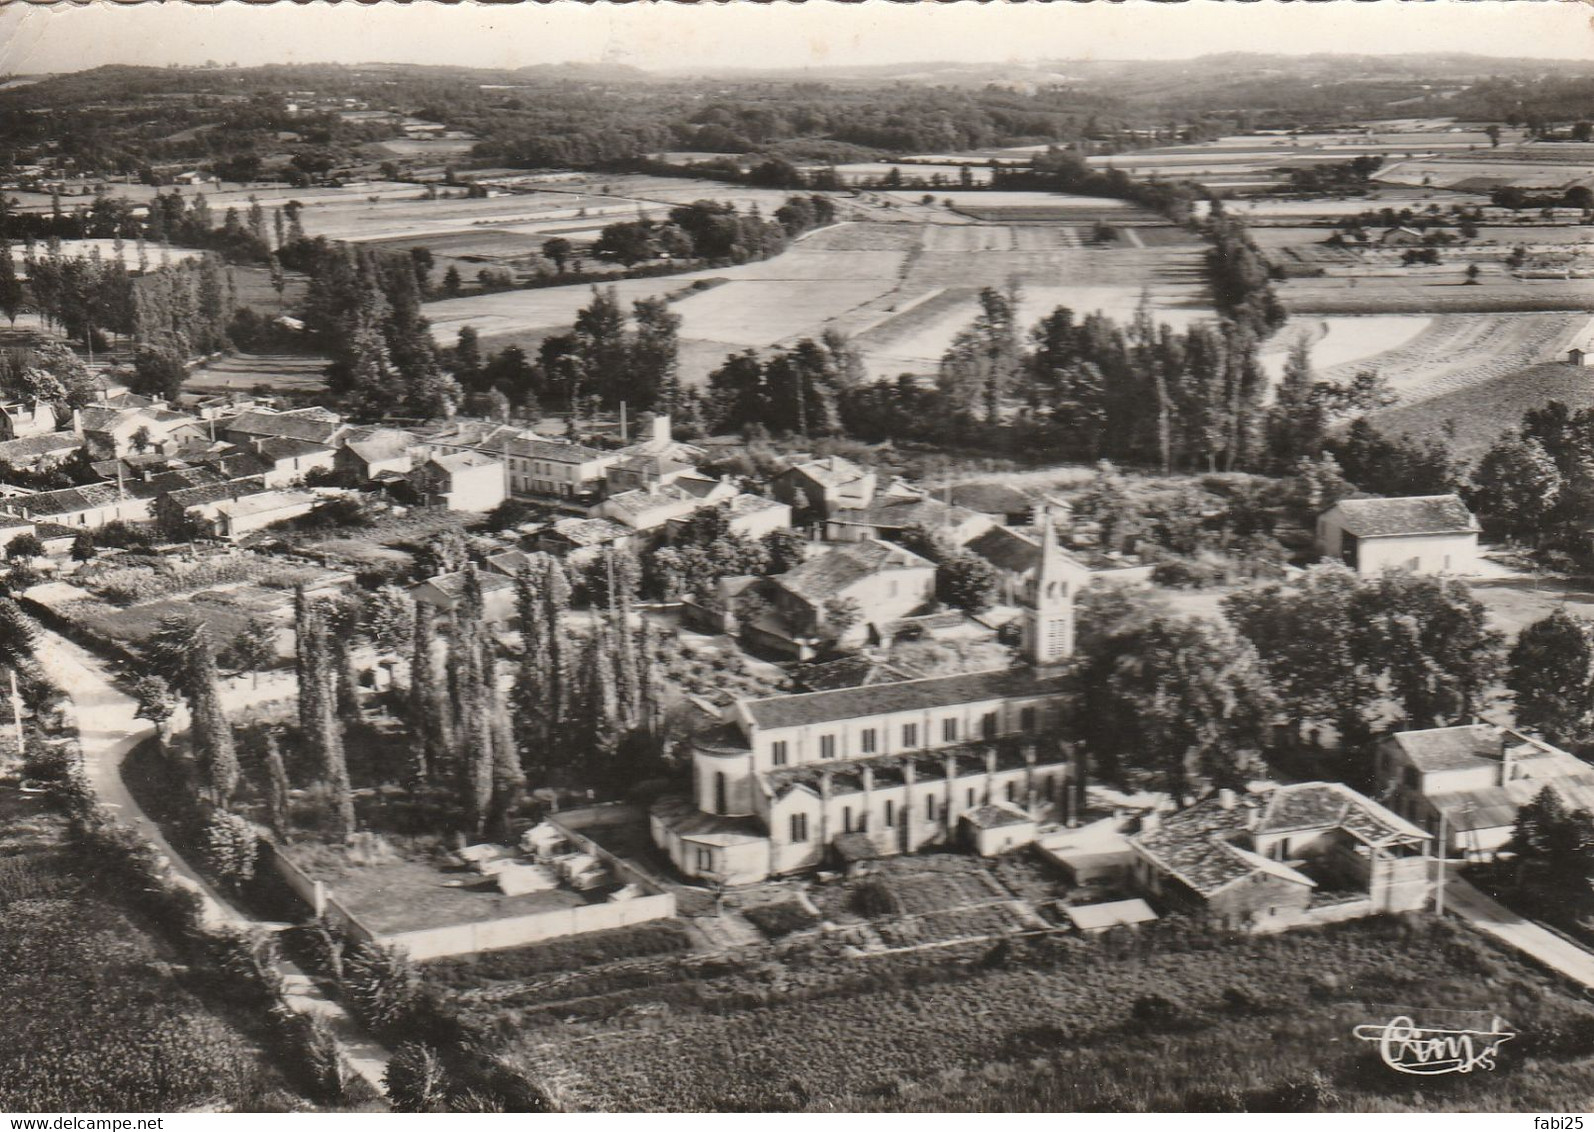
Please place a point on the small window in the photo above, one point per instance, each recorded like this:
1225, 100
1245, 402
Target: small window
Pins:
929, 807
949, 730
891, 814
988, 725
705, 859
777, 752
846, 819
1026, 719
971, 797
1012, 791
799, 827
866, 740
827, 746
910, 735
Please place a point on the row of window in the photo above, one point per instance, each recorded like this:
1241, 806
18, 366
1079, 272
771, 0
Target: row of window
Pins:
869, 737
890, 815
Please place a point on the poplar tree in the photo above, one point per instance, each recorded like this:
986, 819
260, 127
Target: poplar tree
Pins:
430, 723
277, 788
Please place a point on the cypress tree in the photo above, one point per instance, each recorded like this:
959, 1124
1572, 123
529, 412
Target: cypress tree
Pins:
212, 732
277, 792
430, 722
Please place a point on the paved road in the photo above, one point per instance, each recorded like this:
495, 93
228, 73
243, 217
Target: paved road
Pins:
108, 729
1495, 919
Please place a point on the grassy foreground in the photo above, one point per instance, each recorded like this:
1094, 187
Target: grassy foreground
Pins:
1176, 1019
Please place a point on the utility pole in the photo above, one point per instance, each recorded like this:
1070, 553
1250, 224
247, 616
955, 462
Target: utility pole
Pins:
1439, 886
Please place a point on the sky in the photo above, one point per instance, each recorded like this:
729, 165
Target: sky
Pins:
667, 36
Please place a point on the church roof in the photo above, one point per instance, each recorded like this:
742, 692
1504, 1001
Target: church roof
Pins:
906, 695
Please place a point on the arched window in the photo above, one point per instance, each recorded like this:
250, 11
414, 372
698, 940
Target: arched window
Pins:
719, 794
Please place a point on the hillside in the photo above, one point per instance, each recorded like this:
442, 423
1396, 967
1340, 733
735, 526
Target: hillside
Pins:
1479, 412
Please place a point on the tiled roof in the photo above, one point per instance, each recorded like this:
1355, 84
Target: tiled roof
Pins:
1412, 515
894, 514
509, 562
683, 818
205, 494
30, 447
554, 451
258, 422
453, 585
826, 575
103, 418
1332, 805
849, 672
1450, 748
179, 478
1111, 913
1007, 549
748, 504
906, 695
831, 471
1205, 846
377, 445
995, 815
264, 502
463, 461
69, 500
639, 501
589, 532
288, 447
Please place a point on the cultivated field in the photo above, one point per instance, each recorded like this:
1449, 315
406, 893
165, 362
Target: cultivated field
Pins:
1481, 411
1434, 290
1453, 351
903, 290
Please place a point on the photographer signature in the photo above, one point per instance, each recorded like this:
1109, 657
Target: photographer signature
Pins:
1408, 1048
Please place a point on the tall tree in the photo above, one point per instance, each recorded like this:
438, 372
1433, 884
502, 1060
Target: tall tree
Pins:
1550, 670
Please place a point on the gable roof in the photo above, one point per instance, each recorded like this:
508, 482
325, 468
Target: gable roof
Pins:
32, 447
995, 815
202, 495
830, 471
376, 445
1111, 913
895, 514
826, 575
1409, 515
554, 451
589, 532
849, 672
990, 498
463, 461
295, 424
70, 500
289, 447
905, 695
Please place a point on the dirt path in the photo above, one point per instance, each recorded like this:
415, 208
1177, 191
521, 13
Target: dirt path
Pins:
108, 729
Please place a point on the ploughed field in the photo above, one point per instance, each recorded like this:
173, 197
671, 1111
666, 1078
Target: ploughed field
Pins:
1041, 1023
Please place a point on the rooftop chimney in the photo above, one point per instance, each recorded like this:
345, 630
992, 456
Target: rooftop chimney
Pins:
1226, 798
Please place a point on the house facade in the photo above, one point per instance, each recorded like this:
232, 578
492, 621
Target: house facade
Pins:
460, 481
556, 470
1430, 534
884, 581
1471, 780
1308, 850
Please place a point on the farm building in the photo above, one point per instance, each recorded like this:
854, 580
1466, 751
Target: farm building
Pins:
888, 518
90, 507
445, 592
36, 451
1094, 918
21, 419
825, 485
998, 827
1261, 863
292, 459
1477, 776
238, 517
461, 481
886, 582
367, 453
1427, 534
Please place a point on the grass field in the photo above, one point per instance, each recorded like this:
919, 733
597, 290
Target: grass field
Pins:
1044, 1026
243, 373
96, 1014
1434, 290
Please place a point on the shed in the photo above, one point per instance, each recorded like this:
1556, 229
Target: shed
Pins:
1093, 918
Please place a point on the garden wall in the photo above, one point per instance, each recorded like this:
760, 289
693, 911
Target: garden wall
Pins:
490, 935
317, 896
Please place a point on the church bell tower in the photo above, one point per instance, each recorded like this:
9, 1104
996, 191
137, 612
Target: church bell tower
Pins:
1048, 625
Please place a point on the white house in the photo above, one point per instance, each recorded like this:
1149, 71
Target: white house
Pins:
1427, 534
